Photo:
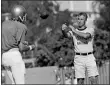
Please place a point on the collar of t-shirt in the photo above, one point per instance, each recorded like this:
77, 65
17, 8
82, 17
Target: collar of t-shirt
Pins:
82, 29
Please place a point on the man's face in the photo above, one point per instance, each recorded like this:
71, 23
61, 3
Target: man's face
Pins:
81, 20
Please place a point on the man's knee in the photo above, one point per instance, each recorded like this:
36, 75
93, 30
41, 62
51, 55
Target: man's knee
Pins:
94, 79
80, 81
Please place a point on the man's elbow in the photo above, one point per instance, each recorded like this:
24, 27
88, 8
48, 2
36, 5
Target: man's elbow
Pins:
88, 35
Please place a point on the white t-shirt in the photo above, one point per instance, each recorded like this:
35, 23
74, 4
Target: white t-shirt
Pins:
83, 45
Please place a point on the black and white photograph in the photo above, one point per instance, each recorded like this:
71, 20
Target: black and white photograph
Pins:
55, 42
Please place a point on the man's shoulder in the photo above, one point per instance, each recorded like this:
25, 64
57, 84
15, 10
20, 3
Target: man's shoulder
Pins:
20, 25
89, 29
8, 23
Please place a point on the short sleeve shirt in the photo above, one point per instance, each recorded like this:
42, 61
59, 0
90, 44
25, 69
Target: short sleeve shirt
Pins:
81, 44
13, 33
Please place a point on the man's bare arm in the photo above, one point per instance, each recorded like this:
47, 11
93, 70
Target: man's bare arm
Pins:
23, 47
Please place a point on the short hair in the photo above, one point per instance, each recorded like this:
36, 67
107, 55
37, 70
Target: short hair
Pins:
84, 14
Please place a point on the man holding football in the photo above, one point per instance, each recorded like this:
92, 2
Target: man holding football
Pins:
84, 59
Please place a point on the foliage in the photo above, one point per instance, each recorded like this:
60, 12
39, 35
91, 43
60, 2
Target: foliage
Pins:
102, 36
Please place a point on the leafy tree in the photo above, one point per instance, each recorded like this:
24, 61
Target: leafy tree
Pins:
102, 41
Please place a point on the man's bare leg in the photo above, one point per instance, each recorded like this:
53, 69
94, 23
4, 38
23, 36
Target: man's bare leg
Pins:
93, 80
80, 81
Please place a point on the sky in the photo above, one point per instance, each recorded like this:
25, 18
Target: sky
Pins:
77, 5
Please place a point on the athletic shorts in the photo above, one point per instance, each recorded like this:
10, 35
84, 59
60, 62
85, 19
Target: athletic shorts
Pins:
85, 63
